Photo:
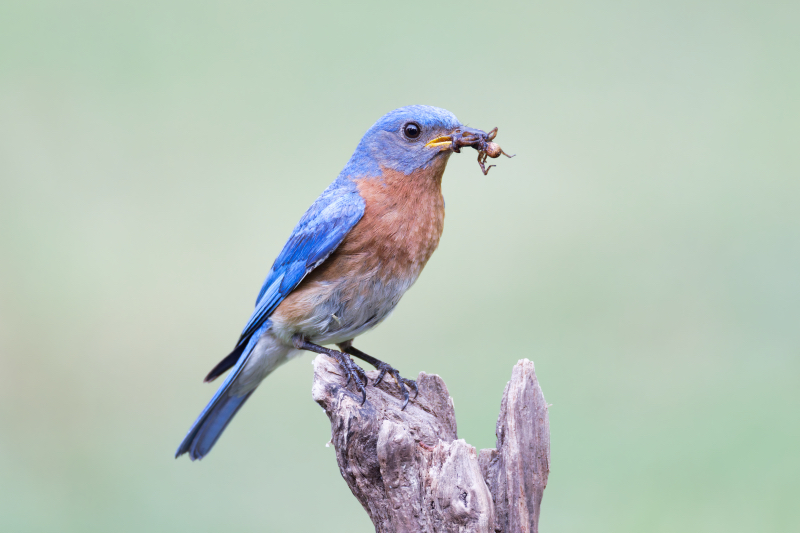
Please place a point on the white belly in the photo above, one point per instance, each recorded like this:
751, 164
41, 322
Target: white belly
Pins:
340, 311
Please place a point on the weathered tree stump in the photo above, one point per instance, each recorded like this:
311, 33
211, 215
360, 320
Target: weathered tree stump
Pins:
412, 473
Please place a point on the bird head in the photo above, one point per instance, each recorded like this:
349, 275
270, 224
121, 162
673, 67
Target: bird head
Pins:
409, 139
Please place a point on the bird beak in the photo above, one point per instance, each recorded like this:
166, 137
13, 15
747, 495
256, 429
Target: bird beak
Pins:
444, 142
459, 137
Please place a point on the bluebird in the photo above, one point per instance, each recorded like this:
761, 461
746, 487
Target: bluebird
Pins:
354, 253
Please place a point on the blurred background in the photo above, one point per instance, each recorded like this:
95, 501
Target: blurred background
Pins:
643, 249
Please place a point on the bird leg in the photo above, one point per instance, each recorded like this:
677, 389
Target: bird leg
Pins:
347, 347
351, 370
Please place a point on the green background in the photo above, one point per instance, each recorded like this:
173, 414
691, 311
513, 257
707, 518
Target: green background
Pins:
643, 248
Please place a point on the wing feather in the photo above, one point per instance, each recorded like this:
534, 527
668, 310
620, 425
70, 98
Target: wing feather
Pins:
316, 236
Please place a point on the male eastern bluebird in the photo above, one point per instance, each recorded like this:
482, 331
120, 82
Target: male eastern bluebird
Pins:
348, 262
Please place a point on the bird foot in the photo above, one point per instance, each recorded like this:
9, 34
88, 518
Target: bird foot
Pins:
353, 372
402, 382
384, 368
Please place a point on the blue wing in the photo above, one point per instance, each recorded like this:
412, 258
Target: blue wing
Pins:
321, 229
319, 232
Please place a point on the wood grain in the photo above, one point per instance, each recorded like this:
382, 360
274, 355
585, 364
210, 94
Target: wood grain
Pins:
412, 473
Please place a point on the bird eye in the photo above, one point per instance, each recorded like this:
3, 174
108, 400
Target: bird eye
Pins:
412, 130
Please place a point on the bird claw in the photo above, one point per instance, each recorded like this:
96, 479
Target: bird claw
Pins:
383, 369
354, 373
380, 377
401, 382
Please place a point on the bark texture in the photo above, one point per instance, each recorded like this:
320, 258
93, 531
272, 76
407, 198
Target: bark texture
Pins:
412, 473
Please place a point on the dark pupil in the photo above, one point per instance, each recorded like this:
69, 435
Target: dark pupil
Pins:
412, 131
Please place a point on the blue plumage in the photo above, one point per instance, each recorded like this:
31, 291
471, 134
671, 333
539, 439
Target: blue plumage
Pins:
218, 413
317, 234
382, 147
266, 340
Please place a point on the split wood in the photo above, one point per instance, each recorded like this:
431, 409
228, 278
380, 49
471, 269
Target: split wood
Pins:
412, 473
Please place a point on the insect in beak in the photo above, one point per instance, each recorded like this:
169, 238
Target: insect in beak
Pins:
477, 139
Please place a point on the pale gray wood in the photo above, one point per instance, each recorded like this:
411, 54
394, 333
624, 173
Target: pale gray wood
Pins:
410, 471
516, 471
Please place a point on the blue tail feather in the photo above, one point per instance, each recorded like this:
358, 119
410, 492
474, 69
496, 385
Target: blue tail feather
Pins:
209, 427
220, 410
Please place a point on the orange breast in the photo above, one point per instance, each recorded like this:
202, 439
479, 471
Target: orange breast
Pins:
402, 223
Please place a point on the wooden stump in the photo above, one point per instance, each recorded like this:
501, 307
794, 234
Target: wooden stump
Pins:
412, 473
